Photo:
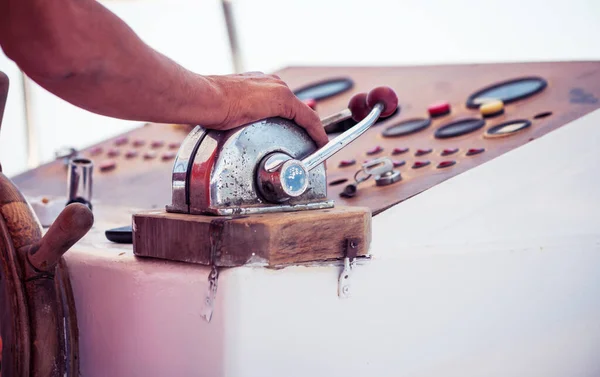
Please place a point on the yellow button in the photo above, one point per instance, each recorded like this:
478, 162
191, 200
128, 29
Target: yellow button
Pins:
492, 107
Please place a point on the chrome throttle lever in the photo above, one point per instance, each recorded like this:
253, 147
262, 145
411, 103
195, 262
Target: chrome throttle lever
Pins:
281, 177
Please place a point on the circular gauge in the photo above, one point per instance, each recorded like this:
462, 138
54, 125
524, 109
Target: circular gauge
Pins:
508, 91
507, 128
406, 127
459, 128
324, 89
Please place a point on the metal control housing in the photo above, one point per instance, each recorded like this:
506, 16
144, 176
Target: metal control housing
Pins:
215, 171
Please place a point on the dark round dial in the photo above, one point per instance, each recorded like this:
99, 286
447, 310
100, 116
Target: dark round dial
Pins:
407, 127
459, 128
508, 91
324, 89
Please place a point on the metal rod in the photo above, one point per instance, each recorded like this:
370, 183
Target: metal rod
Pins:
79, 189
336, 118
342, 140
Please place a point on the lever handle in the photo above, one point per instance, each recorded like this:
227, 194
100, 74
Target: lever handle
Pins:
342, 140
367, 109
68, 228
280, 177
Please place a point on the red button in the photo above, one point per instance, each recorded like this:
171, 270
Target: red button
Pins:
174, 145
375, 150
168, 156
445, 164
474, 151
107, 165
439, 109
131, 154
421, 152
420, 164
139, 142
397, 151
149, 155
398, 163
96, 151
157, 144
113, 152
121, 141
311, 103
346, 163
447, 152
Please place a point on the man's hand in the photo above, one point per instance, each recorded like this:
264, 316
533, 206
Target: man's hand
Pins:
86, 55
253, 96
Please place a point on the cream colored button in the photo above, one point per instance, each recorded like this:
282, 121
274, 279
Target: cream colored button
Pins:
490, 108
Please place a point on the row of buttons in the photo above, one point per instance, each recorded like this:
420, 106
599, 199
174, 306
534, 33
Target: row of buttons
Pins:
441, 165
137, 143
490, 101
488, 108
111, 164
114, 152
147, 155
420, 164
418, 152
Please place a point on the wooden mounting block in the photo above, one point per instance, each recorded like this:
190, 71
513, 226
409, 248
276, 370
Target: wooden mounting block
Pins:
274, 239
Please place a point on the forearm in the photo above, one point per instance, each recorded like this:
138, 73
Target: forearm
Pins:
84, 54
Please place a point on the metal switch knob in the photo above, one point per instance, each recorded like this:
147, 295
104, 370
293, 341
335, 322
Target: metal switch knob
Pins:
281, 177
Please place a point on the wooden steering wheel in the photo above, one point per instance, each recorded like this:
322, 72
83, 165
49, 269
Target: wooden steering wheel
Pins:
38, 324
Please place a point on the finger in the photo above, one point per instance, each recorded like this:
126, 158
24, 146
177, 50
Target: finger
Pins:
306, 118
277, 80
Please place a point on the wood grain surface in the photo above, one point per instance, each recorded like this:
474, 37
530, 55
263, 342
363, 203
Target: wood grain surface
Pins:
35, 308
273, 240
14, 319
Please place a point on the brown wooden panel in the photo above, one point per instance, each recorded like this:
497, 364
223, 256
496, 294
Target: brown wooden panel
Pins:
137, 182
418, 87
274, 239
